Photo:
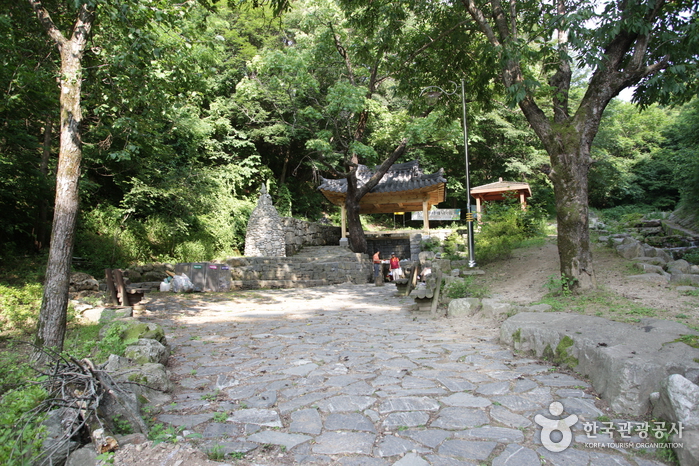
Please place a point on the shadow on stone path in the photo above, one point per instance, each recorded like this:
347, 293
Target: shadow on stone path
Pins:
347, 375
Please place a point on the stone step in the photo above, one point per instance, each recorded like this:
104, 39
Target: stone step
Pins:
324, 253
270, 284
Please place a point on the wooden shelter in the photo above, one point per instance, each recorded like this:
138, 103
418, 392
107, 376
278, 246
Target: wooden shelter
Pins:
404, 188
497, 192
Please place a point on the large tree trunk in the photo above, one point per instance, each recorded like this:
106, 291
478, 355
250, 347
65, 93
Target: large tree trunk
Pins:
570, 187
357, 239
52, 317
51, 326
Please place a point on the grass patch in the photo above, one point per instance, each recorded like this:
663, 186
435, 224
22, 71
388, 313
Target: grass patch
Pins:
600, 303
465, 288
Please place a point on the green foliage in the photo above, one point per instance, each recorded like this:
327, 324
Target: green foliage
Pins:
112, 342
505, 226
216, 453
21, 433
105, 458
432, 244
122, 426
82, 340
14, 371
160, 433
692, 257
19, 307
626, 213
559, 286
453, 244
115, 237
464, 288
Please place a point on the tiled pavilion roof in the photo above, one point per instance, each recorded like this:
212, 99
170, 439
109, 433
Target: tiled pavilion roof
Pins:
402, 189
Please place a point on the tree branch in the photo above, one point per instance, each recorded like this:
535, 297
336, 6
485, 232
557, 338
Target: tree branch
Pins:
383, 168
343, 53
47, 22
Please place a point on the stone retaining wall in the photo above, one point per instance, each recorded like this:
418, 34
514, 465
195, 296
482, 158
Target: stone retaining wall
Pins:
300, 233
356, 268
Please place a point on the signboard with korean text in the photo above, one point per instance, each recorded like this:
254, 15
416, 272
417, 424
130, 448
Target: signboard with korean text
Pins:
438, 214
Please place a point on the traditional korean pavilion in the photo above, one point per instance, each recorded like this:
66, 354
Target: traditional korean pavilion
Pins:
497, 192
404, 188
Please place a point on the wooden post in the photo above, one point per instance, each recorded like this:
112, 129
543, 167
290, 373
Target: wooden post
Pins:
343, 215
522, 200
478, 209
426, 217
110, 286
435, 296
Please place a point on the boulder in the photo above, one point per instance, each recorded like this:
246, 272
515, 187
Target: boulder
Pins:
85, 456
495, 310
148, 350
57, 444
678, 401
133, 330
463, 307
539, 308
651, 260
150, 375
688, 279
688, 455
106, 314
648, 268
83, 282
116, 363
425, 256
629, 249
625, 362
679, 267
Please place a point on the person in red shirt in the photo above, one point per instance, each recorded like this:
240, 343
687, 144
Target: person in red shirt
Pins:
396, 270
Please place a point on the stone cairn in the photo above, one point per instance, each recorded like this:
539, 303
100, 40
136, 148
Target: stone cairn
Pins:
265, 233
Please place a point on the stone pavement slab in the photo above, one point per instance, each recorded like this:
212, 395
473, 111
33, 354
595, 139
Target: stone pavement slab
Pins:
348, 375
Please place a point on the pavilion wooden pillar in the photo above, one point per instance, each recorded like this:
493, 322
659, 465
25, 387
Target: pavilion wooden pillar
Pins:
343, 216
425, 216
522, 200
478, 209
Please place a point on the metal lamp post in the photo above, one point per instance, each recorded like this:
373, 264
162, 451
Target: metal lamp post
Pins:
469, 213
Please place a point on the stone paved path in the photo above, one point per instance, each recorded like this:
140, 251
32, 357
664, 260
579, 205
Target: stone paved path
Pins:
347, 375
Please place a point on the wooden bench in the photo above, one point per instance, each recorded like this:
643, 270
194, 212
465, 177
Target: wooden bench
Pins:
427, 297
117, 289
405, 285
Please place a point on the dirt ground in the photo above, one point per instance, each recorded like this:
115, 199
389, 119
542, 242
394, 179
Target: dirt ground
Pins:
518, 279
623, 293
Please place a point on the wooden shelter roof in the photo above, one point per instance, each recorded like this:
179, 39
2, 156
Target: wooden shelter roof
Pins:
496, 191
402, 189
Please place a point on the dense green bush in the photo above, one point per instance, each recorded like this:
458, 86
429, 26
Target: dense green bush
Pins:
625, 213
109, 238
504, 226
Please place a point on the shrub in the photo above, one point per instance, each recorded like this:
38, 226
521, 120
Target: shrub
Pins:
431, 244
19, 306
505, 225
692, 257
464, 288
20, 434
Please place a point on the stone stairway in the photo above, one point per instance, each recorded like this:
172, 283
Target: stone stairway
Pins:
312, 266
